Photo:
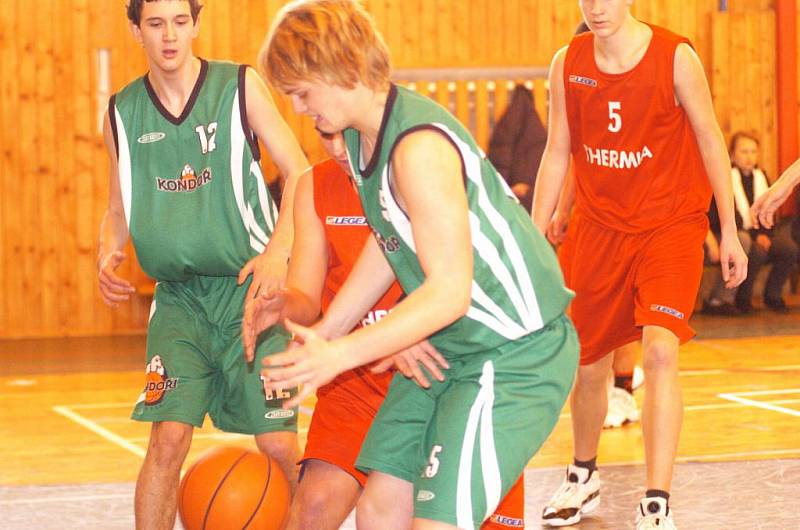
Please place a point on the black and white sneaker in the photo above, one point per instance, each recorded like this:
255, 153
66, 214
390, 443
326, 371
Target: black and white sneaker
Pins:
654, 514
578, 494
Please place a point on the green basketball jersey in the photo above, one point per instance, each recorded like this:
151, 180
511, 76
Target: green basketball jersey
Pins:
517, 285
194, 196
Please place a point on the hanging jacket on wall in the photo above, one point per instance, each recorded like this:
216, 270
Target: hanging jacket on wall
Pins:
517, 142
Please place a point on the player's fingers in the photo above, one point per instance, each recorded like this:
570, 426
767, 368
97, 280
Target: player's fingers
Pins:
403, 367
301, 332
245, 271
724, 263
418, 374
302, 393
286, 377
428, 348
107, 274
286, 358
432, 368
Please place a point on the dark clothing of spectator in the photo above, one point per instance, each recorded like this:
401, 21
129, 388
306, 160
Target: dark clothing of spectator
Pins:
517, 144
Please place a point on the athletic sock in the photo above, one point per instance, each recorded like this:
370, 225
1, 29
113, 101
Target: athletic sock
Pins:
658, 493
624, 381
591, 465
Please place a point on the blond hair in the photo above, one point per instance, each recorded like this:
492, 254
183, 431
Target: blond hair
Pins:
334, 41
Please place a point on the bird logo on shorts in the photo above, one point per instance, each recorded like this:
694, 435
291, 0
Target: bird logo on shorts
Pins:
157, 382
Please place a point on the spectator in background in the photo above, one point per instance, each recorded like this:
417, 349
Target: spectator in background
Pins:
761, 244
517, 144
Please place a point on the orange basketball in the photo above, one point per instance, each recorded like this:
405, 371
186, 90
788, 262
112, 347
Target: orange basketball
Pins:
233, 488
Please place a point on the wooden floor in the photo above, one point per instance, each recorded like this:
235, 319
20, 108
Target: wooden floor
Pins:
65, 409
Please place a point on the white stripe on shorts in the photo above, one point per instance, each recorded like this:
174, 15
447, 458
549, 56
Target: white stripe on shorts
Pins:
479, 415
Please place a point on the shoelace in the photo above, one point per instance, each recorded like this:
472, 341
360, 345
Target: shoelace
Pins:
563, 494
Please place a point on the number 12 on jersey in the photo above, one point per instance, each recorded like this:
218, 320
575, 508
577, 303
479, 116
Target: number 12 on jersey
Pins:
613, 114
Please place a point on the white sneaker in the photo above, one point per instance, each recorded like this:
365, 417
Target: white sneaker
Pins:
621, 408
638, 377
578, 494
654, 514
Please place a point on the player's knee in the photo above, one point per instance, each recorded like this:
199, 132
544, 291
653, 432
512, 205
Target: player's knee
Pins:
313, 503
592, 376
281, 446
660, 356
371, 511
169, 443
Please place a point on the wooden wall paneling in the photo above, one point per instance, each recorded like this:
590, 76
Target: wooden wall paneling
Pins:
738, 48
9, 160
30, 219
239, 34
541, 28
417, 32
512, 29
767, 82
477, 15
393, 32
45, 165
92, 315
720, 69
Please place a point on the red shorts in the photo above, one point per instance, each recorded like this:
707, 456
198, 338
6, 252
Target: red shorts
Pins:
342, 416
623, 282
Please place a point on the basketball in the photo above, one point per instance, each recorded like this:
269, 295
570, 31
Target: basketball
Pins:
233, 488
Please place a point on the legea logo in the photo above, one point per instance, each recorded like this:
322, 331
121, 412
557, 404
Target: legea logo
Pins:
279, 414
149, 138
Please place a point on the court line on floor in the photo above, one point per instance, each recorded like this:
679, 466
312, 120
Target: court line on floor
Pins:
77, 498
67, 412
766, 405
99, 430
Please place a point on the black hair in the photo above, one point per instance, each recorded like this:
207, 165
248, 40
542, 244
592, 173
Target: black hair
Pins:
134, 9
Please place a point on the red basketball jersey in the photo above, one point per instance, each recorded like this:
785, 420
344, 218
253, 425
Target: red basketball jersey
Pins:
346, 229
637, 163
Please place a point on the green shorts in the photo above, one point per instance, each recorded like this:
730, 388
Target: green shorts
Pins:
464, 442
195, 363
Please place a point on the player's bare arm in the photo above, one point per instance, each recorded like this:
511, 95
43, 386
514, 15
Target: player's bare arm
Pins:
557, 229
764, 209
300, 300
437, 208
269, 269
692, 92
555, 160
113, 233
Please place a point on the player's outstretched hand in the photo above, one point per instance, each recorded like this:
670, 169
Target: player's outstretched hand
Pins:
766, 206
269, 272
113, 289
260, 313
733, 260
408, 363
312, 362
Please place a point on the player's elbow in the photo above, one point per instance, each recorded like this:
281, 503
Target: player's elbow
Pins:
455, 294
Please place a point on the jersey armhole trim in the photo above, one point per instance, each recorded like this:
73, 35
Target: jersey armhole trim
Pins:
112, 120
248, 132
425, 127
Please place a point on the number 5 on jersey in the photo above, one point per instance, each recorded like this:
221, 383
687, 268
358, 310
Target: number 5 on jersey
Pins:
613, 114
